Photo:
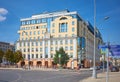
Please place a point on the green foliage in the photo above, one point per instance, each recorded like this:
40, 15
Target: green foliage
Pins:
9, 55
17, 56
1, 55
61, 57
13, 57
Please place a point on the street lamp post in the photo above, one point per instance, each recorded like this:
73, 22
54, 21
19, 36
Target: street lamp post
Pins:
29, 52
94, 75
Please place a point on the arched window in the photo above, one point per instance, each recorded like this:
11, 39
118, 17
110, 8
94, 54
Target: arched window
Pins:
63, 18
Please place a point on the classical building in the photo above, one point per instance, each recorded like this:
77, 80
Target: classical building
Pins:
4, 46
42, 34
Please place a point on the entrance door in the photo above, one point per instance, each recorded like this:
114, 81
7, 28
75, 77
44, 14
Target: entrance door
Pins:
46, 64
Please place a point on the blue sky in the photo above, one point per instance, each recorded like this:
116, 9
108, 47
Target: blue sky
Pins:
11, 11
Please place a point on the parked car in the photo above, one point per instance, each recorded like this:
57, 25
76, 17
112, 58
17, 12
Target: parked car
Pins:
114, 69
97, 68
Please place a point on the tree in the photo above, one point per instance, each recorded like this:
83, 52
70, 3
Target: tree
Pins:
61, 57
1, 55
9, 55
13, 57
17, 56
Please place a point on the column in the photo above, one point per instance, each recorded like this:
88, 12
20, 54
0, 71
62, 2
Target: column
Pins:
49, 49
74, 48
43, 49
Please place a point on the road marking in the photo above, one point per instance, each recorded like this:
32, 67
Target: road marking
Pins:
53, 77
19, 77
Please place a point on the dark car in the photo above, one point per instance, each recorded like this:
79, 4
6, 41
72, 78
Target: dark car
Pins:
114, 69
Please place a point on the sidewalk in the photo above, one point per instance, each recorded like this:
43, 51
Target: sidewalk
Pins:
46, 69
113, 77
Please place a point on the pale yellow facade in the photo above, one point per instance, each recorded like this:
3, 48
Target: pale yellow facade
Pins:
57, 29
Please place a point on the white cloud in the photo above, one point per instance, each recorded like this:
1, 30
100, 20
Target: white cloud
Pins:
3, 12
2, 18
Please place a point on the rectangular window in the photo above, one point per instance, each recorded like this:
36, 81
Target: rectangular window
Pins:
32, 55
61, 42
23, 23
73, 29
63, 27
34, 32
36, 55
43, 20
56, 42
38, 32
73, 22
46, 56
40, 43
32, 21
24, 43
40, 55
51, 42
26, 33
32, 49
24, 56
46, 43
71, 55
28, 56
36, 43
24, 50
51, 48
53, 25
66, 42
20, 44
27, 22
38, 21
32, 43
28, 49
51, 55
71, 41
66, 48
46, 50
71, 48
40, 49
53, 31
36, 49
30, 33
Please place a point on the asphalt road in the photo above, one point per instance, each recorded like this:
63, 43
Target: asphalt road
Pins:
42, 76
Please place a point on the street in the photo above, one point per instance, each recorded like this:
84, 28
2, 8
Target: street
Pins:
42, 76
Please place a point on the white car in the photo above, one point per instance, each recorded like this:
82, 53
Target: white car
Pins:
97, 68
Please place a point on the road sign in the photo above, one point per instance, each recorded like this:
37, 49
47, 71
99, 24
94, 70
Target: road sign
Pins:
102, 46
103, 50
115, 50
